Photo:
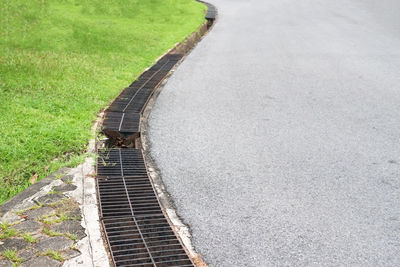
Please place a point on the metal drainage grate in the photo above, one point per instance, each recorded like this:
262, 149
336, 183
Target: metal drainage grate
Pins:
121, 123
122, 118
137, 231
133, 100
135, 97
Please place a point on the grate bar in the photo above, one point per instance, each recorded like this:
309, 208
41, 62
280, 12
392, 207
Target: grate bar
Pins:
133, 214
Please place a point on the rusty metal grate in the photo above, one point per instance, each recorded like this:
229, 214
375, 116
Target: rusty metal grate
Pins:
134, 100
137, 231
135, 97
122, 118
123, 123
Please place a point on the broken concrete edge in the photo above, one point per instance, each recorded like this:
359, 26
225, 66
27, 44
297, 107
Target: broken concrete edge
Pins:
92, 247
167, 204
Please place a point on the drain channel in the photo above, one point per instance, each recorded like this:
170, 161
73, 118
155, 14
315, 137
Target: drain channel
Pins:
134, 98
122, 118
137, 231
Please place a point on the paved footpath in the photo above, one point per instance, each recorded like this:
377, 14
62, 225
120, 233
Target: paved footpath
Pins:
279, 136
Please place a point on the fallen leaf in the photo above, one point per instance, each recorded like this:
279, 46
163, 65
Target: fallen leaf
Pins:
33, 179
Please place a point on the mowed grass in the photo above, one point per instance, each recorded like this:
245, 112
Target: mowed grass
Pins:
61, 62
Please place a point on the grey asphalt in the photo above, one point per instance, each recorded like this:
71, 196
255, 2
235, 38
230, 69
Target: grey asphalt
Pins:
278, 137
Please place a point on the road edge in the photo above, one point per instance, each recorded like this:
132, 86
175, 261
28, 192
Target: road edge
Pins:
181, 229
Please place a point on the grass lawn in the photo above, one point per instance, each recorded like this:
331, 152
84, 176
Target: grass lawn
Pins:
61, 62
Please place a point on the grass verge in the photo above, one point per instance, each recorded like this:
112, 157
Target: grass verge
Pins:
61, 61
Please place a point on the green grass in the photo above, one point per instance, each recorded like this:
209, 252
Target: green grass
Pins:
61, 62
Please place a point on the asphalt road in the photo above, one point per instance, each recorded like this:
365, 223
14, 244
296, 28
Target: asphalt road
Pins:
279, 135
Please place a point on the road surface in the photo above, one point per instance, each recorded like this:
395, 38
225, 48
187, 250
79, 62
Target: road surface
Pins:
278, 137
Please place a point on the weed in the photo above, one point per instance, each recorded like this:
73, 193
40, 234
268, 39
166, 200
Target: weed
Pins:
63, 217
52, 192
11, 254
35, 207
29, 238
7, 231
76, 218
53, 254
59, 176
56, 204
66, 206
61, 209
53, 219
73, 237
48, 219
50, 232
